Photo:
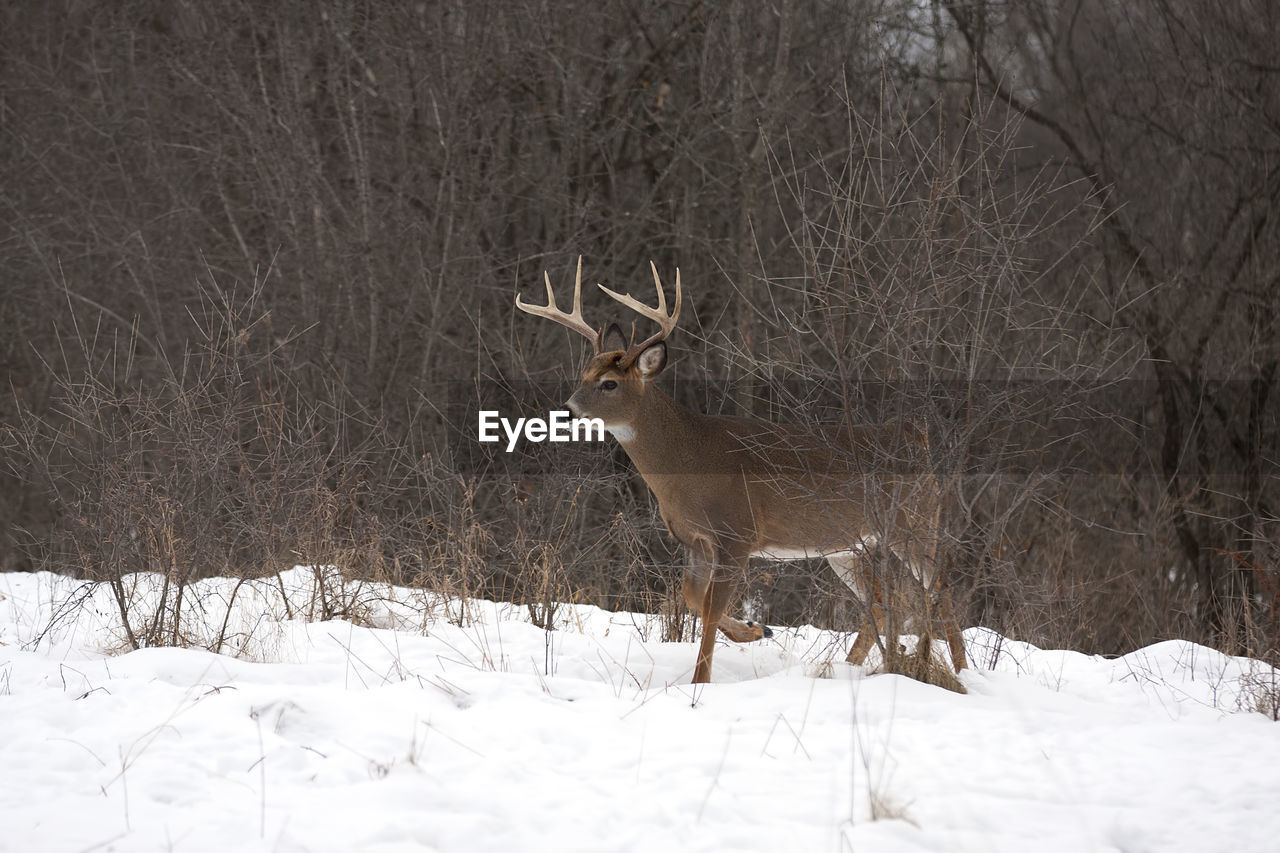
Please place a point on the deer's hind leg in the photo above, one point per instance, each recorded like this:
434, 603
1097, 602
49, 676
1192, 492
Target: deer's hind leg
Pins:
951, 627
868, 633
938, 606
855, 569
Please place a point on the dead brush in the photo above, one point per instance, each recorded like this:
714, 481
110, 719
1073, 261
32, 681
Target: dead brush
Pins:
212, 462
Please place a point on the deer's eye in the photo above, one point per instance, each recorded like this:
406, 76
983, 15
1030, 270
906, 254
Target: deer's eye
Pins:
608, 385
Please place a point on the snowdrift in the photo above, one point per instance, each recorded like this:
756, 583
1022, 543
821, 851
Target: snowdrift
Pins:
436, 724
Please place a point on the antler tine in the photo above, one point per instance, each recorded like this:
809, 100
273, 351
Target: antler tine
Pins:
552, 312
659, 315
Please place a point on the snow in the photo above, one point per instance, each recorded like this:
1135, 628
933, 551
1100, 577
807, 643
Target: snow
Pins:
432, 724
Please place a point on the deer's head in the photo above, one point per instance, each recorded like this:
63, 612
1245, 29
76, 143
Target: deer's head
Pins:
617, 379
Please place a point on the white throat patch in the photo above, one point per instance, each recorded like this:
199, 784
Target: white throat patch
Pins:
622, 432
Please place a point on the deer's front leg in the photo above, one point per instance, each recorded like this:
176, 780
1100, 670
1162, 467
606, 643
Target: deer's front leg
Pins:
697, 580
700, 593
712, 585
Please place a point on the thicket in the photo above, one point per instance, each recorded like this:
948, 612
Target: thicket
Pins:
254, 258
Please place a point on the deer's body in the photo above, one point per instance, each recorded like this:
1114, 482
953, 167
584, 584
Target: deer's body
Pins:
736, 488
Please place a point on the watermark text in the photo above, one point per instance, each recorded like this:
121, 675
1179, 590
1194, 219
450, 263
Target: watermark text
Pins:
559, 425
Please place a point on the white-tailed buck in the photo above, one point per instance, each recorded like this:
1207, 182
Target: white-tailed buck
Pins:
735, 488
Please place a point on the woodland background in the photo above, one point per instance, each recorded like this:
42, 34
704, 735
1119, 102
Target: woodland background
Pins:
255, 258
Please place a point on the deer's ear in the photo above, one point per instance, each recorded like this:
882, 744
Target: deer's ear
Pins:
613, 339
652, 360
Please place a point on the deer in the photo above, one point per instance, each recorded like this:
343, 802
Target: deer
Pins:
731, 489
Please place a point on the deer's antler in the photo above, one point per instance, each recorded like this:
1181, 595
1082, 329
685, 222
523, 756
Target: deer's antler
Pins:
572, 320
659, 315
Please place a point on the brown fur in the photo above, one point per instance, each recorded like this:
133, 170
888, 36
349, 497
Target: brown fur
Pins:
732, 487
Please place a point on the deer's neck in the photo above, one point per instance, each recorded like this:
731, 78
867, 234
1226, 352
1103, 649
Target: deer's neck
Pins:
661, 436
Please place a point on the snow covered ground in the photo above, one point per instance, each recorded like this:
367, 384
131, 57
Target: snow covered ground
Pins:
492, 734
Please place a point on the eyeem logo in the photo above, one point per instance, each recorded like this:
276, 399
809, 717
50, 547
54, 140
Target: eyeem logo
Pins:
560, 425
